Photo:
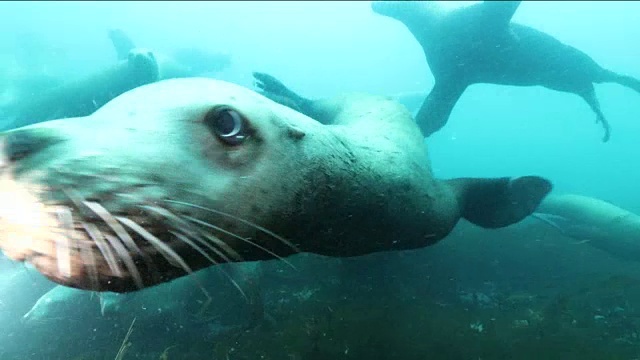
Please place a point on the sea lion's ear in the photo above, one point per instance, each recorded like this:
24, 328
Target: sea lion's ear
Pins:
499, 202
295, 133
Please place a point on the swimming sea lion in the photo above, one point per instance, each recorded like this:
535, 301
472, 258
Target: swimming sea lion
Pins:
479, 44
135, 67
83, 96
599, 223
181, 174
182, 62
59, 302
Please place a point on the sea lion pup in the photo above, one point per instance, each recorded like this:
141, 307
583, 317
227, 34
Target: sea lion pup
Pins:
599, 223
83, 96
479, 44
182, 174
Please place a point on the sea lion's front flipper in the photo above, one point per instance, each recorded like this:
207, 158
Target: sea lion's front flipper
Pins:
437, 107
122, 43
275, 90
555, 221
567, 227
499, 202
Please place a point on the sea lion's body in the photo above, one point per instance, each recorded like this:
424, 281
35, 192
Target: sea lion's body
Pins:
599, 223
479, 44
181, 174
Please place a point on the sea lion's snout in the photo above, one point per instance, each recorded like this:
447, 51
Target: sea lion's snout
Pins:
197, 184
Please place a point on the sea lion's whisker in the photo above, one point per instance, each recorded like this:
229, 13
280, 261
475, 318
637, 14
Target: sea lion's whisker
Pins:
126, 258
211, 226
246, 222
166, 251
113, 224
193, 245
196, 233
120, 231
86, 254
97, 237
252, 243
187, 241
214, 239
79, 202
63, 249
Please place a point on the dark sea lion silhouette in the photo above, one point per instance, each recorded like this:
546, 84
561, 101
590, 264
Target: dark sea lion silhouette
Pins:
480, 44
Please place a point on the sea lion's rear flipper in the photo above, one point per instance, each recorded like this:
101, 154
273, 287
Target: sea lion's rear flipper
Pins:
624, 80
122, 43
499, 202
437, 107
588, 94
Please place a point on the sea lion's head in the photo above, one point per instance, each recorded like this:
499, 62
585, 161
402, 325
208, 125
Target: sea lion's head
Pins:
165, 179
144, 66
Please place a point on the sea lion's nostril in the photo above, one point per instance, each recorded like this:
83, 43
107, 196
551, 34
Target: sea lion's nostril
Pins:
17, 144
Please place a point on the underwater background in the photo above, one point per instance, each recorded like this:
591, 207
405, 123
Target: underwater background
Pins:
523, 292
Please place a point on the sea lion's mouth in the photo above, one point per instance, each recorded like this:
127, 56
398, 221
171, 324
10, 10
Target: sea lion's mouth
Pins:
86, 243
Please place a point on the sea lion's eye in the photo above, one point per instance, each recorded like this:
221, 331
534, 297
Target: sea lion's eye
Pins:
227, 124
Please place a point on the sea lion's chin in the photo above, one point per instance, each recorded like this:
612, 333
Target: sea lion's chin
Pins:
33, 231
78, 242
26, 223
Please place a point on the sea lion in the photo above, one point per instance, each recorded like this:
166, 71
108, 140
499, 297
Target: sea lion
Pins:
59, 302
187, 302
599, 223
135, 67
183, 174
182, 62
83, 96
479, 44
19, 286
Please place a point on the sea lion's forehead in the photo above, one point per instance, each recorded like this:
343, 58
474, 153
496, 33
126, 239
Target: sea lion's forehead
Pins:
187, 92
187, 96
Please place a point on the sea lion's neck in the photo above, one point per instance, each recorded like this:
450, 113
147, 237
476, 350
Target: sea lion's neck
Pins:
370, 192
